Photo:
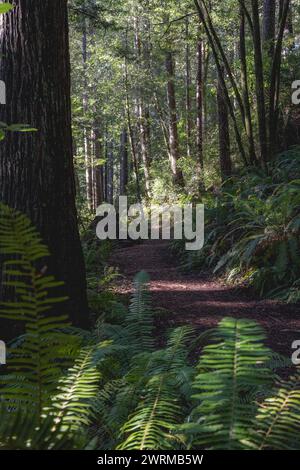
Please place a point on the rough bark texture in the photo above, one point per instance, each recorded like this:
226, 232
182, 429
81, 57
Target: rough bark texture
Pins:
36, 169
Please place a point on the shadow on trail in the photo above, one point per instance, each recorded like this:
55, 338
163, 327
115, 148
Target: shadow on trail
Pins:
200, 300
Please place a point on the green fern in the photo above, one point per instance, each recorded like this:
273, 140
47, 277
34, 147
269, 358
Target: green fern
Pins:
277, 425
73, 405
162, 407
230, 373
37, 359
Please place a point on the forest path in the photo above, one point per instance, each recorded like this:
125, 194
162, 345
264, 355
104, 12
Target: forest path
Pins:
198, 299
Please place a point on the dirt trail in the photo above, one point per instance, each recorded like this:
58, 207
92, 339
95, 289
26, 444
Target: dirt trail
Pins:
200, 300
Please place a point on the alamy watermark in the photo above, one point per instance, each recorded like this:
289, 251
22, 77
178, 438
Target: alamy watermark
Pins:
2, 92
2, 353
296, 353
296, 92
139, 222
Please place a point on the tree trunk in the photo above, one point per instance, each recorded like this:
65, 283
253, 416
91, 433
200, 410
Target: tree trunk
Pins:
274, 90
173, 130
268, 34
110, 172
86, 137
199, 106
188, 102
245, 90
131, 134
36, 169
224, 137
124, 163
259, 73
98, 169
141, 113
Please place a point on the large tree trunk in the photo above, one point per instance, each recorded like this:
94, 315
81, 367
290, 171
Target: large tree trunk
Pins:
36, 169
224, 136
173, 129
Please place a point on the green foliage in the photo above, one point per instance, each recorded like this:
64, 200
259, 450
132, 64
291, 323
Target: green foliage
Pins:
277, 421
5, 7
231, 373
252, 230
114, 388
37, 359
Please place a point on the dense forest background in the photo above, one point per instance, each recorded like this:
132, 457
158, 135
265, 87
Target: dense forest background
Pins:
166, 102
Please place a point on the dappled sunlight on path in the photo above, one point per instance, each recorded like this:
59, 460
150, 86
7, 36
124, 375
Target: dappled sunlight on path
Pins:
199, 299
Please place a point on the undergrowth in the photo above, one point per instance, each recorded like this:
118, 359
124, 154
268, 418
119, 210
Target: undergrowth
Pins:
115, 388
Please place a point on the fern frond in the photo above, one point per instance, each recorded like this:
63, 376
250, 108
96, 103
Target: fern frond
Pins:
72, 406
38, 359
155, 417
230, 372
161, 404
277, 424
139, 320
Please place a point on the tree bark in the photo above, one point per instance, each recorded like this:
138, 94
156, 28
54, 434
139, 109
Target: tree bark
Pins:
36, 169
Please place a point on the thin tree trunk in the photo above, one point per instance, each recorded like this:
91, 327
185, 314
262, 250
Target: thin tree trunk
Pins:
98, 169
216, 47
224, 136
245, 90
124, 163
110, 172
141, 114
131, 135
188, 101
173, 130
36, 169
199, 107
268, 34
274, 91
259, 74
86, 137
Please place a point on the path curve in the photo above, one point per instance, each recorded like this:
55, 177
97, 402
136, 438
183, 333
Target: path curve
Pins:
200, 300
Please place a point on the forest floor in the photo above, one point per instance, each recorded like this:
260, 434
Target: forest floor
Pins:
199, 299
